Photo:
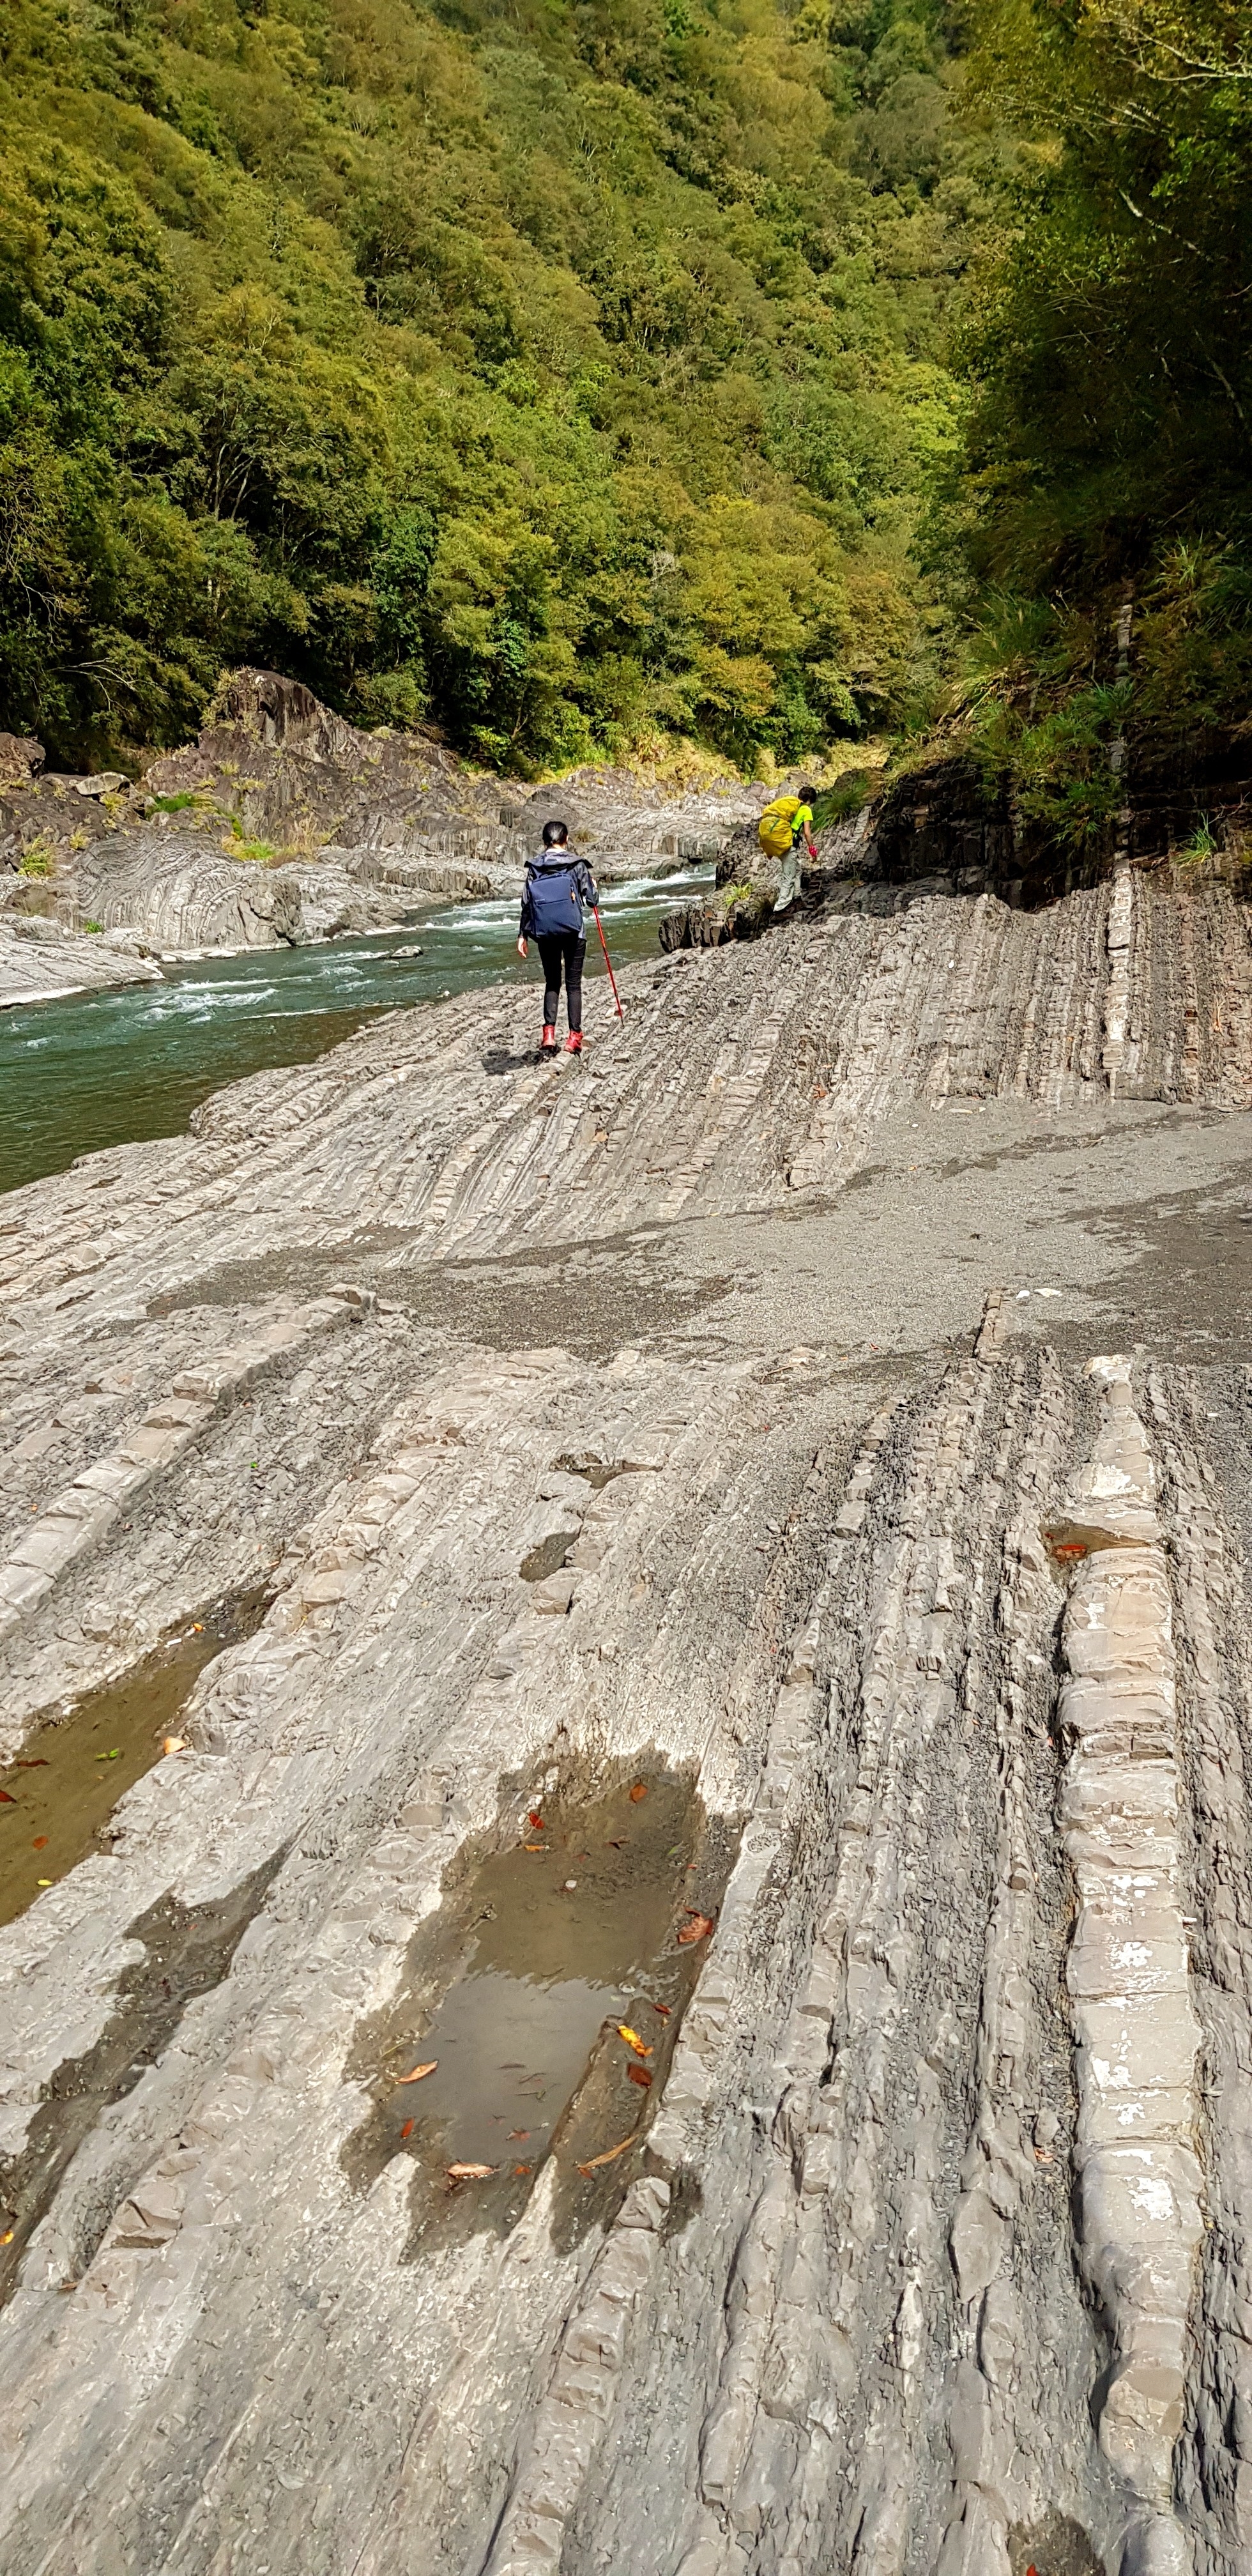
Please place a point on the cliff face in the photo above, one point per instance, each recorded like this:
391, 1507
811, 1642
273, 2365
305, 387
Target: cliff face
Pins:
820, 1418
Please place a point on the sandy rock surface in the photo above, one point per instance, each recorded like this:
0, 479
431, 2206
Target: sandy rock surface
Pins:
827, 1406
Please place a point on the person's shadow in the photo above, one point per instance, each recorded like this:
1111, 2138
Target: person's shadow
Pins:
500, 1061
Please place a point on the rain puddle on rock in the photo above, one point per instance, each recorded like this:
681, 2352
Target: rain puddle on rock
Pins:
59, 1792
514, 1998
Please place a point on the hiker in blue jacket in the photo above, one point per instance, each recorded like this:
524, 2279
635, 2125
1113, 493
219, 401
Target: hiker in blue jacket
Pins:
556, 889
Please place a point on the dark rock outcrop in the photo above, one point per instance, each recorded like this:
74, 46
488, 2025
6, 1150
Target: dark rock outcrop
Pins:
21, 757
739, 912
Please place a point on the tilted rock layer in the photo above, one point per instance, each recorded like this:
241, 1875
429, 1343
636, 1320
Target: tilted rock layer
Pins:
926, 2249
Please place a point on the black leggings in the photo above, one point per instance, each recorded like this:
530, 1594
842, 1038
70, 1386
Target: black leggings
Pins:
568, 948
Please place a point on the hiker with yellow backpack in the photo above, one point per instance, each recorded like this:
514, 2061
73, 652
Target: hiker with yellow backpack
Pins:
780, 826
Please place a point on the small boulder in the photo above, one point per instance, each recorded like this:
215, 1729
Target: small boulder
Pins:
738, 912
21, 758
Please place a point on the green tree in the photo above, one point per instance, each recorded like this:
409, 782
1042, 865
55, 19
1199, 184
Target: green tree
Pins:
572, 370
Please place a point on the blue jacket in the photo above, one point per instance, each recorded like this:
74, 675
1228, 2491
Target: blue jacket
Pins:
564, 863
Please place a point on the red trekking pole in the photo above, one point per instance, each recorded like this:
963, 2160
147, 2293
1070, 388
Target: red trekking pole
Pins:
609, 963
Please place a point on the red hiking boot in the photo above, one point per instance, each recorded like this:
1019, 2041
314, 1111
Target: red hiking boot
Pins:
574, 1042
547, 1043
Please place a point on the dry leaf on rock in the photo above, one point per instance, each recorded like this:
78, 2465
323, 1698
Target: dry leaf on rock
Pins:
407, 2130
470, 2173
639, 2075
639, 1791
609, 2153
632, 2040
174, 1744
419, 2071
40, 1843
697, 1928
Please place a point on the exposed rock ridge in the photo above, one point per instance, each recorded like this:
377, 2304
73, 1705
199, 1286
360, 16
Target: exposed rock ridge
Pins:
1135, 2029
733, 1084
83, 1514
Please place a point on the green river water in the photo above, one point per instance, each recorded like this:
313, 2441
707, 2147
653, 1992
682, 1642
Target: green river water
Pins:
111, 1068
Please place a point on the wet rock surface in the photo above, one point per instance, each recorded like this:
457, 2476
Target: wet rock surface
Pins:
827, 1407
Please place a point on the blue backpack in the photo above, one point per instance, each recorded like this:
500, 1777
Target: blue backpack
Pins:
555, 903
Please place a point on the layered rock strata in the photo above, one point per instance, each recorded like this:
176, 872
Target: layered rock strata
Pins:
1136, 2034
39, 962
925, 2248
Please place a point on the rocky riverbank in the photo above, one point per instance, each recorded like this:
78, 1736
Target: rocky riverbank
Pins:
821, 1419
283, 824
39, 961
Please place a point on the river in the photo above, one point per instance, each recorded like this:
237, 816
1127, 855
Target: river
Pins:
111, 1068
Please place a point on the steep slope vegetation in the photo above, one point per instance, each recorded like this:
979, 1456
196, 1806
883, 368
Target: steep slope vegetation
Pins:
1104, 492
568, 371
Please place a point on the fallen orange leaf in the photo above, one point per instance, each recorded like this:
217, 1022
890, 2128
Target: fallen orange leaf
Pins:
535, 1819
34, 1762
420, 2071
639, 1791
663, 2010
6, 1800
632, 2040
174, 1744
469, 2173
7, 2239
521, 2169
407, 2130
639, 2075
698, 1928
39, 1843
518, 2133
609, 2153
536, 1847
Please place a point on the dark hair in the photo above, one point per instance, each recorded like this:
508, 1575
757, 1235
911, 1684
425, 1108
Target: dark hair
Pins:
806, 791
553, 832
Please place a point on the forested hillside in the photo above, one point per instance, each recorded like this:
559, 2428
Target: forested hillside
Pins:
569, 371
578, 373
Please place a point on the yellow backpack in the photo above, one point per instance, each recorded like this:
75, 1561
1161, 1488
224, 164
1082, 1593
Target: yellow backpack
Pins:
777, 827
